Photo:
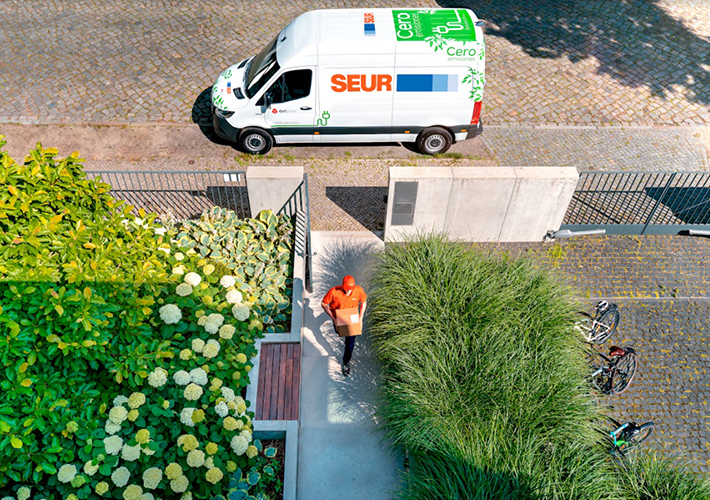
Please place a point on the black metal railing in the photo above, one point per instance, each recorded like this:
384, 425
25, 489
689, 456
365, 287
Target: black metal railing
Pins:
640, 203
179, 194
298, 202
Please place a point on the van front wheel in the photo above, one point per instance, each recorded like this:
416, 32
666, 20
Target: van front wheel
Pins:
434, 141
255, 141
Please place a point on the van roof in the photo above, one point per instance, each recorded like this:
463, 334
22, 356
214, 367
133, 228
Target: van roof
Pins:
365, 30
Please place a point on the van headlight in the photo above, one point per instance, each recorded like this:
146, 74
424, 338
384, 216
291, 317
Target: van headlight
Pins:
223, 113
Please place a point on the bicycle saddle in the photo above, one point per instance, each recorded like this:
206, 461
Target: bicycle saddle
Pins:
616, 351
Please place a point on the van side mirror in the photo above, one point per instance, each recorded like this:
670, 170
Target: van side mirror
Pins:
267, 99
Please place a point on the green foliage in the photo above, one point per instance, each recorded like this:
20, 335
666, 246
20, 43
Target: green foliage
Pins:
83, 297
57, 225
483, 376
650, 476
258, 252
486, 387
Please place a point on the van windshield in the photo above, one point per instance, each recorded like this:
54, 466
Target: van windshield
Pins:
261, 69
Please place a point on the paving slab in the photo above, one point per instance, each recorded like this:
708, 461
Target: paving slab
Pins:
341, 452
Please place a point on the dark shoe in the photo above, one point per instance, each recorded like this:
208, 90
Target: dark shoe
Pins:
345, 369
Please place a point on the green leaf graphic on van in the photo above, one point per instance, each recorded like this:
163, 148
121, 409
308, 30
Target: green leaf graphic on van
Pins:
323, 120
436, 41
477, 80
418, 25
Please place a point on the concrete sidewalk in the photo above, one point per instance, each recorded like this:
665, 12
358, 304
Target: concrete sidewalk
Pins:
340, 456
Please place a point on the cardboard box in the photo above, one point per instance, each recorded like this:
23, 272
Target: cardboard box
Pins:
347, 322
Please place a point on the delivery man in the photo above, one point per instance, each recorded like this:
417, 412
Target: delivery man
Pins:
346, 296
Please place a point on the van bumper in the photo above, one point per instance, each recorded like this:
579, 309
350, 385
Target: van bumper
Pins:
222, 127
474, 130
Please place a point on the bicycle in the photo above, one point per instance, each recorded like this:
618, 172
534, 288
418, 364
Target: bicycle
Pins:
628, 436
602, 325
618, 372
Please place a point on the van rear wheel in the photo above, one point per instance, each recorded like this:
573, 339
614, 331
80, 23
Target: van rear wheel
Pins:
255, 141
434, 141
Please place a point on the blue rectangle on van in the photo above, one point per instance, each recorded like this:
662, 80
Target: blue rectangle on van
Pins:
427, 83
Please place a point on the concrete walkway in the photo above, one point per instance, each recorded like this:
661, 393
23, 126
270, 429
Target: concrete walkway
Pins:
340, 453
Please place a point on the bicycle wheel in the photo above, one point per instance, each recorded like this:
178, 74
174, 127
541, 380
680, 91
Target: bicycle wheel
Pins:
604, 327
637, 435
623, 374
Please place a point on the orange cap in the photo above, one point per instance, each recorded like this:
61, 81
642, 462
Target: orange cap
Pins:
348, 283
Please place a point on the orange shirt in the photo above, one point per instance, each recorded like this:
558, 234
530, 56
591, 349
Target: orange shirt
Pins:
337, 299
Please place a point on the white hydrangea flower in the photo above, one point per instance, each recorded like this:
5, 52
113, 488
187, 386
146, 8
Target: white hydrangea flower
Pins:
192, 279
119, 400
179, 256
226, 332
246, 434
120, 477
241, 312
131, 453
228, 394
239, 444
183, 290
181, 377
178, 270
118, 414
214, 321
193, 392
113, 445
227, 281
66, 473
157, 378
234, 296
186, 496
198, 344
160, 231
147, 496
196, 458
179, 484
186, 417
90, 469
24, 493
170, 314
202, 320
222, 409
211, 349
112, 427
198, 376
151, 477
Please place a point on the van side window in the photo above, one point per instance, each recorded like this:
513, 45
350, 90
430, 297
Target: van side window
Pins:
291, 86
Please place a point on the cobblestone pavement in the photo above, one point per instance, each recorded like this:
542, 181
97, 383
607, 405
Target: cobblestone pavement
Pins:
588, 62
662, 287
648, 150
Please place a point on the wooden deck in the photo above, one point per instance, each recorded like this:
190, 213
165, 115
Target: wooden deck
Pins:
279, 379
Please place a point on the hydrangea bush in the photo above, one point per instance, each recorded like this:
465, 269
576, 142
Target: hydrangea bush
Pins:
128, 382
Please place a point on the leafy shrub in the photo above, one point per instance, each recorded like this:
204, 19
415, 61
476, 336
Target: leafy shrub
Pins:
259, 252
650, 476
91, 315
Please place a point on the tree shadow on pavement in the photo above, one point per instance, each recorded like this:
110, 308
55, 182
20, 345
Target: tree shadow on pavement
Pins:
357, 395
636, 42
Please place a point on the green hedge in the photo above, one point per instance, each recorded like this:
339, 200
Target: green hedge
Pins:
94, 350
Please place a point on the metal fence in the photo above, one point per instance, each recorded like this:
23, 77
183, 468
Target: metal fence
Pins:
640, 203
182, 194
298, 202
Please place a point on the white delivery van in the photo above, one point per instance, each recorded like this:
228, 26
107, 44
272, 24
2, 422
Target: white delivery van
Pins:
358, 75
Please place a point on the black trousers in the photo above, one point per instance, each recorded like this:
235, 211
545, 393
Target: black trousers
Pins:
349, 346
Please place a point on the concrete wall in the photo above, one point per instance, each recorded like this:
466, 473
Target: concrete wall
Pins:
270, 187
484, 203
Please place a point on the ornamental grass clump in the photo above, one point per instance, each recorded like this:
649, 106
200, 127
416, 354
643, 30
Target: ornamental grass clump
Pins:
483, 378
